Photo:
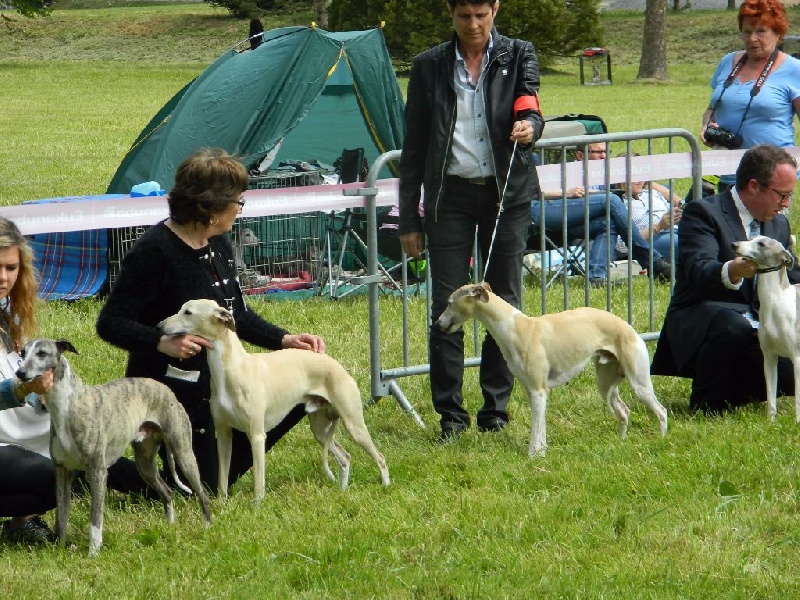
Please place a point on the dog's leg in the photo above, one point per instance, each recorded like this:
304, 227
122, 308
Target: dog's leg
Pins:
179, 447
538, 443
796, 365
608, 380
322, 429
63, 496
224, 446
323, 426
771, 377
145, 453
642, 385
343, 458
357, 428
98, 475
258, 447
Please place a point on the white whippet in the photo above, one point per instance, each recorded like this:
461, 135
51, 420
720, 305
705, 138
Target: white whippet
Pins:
253, 392
544, 352
778, 333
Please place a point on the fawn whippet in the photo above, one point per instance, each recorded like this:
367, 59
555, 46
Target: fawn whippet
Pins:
544, 352
253, 392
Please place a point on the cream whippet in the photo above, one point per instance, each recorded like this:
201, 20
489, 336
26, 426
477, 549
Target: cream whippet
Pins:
544, 352
778, 333
254, 392
92, 425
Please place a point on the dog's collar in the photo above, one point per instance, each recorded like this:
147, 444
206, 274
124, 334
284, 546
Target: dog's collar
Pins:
771, 269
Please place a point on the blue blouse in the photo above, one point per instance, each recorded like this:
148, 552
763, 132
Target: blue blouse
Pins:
771, 115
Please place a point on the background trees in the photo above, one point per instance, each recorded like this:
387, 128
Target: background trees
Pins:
29, 8
556, 27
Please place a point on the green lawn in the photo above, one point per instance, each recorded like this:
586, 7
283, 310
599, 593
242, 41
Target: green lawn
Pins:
705, 512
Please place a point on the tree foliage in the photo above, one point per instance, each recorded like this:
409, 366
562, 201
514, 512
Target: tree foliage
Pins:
31, 8
556, 27
245, 9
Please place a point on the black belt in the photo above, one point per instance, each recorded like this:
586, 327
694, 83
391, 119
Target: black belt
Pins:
472, 180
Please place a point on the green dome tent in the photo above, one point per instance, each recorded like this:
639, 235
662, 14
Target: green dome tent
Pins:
308, 92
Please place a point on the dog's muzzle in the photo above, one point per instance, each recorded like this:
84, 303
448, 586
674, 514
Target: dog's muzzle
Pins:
447, 324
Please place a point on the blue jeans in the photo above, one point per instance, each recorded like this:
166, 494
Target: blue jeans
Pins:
599, 231
661, 243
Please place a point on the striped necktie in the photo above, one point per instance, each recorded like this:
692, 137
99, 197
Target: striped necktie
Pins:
755, 229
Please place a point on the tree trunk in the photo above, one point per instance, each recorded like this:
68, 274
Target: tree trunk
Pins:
731, 4
653, 62
321, 13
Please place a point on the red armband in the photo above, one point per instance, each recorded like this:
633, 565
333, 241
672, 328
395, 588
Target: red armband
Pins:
526, 103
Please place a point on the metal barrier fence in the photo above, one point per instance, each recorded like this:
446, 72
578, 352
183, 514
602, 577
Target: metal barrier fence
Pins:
563, 175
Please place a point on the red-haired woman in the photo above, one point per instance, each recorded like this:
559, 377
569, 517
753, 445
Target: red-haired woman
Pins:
767, 116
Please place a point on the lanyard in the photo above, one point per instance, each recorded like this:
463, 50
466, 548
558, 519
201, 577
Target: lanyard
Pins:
756, 87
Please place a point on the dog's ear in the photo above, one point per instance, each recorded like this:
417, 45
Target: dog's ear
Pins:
788, 259
482, 292
226, 317
64, 346
792, 243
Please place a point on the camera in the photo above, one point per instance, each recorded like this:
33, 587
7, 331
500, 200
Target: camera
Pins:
719, 136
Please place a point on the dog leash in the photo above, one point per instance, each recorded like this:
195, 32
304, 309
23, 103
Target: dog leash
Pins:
499, 212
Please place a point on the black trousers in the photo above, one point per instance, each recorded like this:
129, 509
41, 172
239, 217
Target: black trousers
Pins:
466, 209
729, 370
28, 481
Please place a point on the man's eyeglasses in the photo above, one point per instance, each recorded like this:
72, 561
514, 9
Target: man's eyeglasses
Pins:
784, 196
603, 151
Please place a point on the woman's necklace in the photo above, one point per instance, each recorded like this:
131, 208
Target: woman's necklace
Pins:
183, 232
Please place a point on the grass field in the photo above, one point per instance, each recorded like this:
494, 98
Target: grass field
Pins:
706, 512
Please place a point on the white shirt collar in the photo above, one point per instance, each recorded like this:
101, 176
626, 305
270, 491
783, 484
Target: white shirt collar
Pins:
744, 215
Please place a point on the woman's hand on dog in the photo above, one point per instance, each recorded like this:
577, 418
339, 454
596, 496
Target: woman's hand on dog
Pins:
38, 385
182, 346
304, 341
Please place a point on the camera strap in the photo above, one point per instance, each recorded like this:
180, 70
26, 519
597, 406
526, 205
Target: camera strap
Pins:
756, 86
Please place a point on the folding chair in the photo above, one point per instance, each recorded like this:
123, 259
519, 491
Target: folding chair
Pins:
570, 255
344, 228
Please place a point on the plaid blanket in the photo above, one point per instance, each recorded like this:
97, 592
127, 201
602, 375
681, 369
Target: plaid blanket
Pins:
72, 265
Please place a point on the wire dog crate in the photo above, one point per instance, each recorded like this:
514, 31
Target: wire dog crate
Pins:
274, 253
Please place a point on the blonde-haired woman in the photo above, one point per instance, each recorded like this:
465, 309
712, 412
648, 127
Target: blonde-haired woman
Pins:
27, 484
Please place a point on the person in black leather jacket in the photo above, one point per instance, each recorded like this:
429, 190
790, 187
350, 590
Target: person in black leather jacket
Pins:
472, 116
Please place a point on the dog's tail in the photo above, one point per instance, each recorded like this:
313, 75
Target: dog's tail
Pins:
171, 462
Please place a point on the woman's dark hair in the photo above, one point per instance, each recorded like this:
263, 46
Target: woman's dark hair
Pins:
760, 162
205, 185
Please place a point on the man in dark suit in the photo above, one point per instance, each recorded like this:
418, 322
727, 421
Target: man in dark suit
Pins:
710, 329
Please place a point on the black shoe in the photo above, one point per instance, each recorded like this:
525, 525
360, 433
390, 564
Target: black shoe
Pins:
450, 432
492, 425
661, 270
33, 531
